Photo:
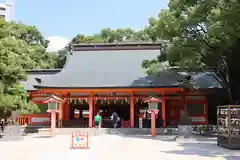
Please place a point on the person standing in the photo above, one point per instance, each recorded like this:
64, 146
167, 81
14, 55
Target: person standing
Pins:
2, 124
114, 119
98, 122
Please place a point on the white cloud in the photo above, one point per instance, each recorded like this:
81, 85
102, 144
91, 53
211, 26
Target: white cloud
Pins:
56, 43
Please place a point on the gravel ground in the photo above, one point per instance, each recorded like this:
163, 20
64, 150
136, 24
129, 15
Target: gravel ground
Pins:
117, 147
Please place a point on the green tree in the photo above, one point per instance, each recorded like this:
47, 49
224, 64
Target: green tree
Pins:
202, 34
21, 47
107, 35
61, 58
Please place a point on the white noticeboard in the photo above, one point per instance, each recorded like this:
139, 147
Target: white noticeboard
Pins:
140, 123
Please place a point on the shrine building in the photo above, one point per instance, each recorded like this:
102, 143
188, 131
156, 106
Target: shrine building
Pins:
109, 78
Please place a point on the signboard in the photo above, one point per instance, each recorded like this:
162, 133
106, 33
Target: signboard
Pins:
79, 140
140, 123
12, 133
52, 106
40, 119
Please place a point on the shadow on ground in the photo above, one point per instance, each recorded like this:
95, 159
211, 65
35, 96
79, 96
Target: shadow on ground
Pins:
195, 145
171, 137
39, 136
205, 147
232, 157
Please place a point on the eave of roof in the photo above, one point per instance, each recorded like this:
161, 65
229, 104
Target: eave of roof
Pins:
116, 87
36, 73
117, 46
43, 71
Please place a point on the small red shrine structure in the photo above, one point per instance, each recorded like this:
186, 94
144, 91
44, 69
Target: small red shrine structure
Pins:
109, 77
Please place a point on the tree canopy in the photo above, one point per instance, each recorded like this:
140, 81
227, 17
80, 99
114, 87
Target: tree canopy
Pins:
21, 47
200, 34
108, 35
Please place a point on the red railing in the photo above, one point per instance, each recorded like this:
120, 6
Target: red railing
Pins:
125, 124
34, 119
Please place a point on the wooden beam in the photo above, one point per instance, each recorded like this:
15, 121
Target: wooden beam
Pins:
122, 90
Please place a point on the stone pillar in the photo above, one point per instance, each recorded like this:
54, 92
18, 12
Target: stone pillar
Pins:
131, 112
153, 123
53, 123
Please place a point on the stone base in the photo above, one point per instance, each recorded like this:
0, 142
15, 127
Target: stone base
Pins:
12, 133
232, 143
185, 131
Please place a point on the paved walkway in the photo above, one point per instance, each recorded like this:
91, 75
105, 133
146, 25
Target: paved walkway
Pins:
114, 147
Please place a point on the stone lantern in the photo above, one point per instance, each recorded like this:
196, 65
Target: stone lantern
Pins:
153, 102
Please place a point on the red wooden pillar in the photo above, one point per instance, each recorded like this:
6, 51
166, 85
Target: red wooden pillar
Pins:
206, 110
65, 114
90, 119
131, 112
184, 102
137, 112
95, 108
60, 114
163, 112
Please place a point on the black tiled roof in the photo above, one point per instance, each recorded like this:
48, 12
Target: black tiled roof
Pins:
37, 73
115, 66
100, 69
104, 69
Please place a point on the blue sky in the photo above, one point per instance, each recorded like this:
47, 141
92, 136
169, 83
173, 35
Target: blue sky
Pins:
66, 18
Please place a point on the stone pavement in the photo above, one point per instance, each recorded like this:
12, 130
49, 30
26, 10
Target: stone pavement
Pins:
117, 147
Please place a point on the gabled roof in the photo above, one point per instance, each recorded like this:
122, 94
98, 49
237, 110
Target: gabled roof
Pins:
119, 66
32, 74
105, 66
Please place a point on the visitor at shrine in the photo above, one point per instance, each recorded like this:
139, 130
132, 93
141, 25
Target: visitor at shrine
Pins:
98, 121
115, 119
2, 124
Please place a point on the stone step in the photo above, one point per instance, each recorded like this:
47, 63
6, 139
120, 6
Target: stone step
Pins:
160, 131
